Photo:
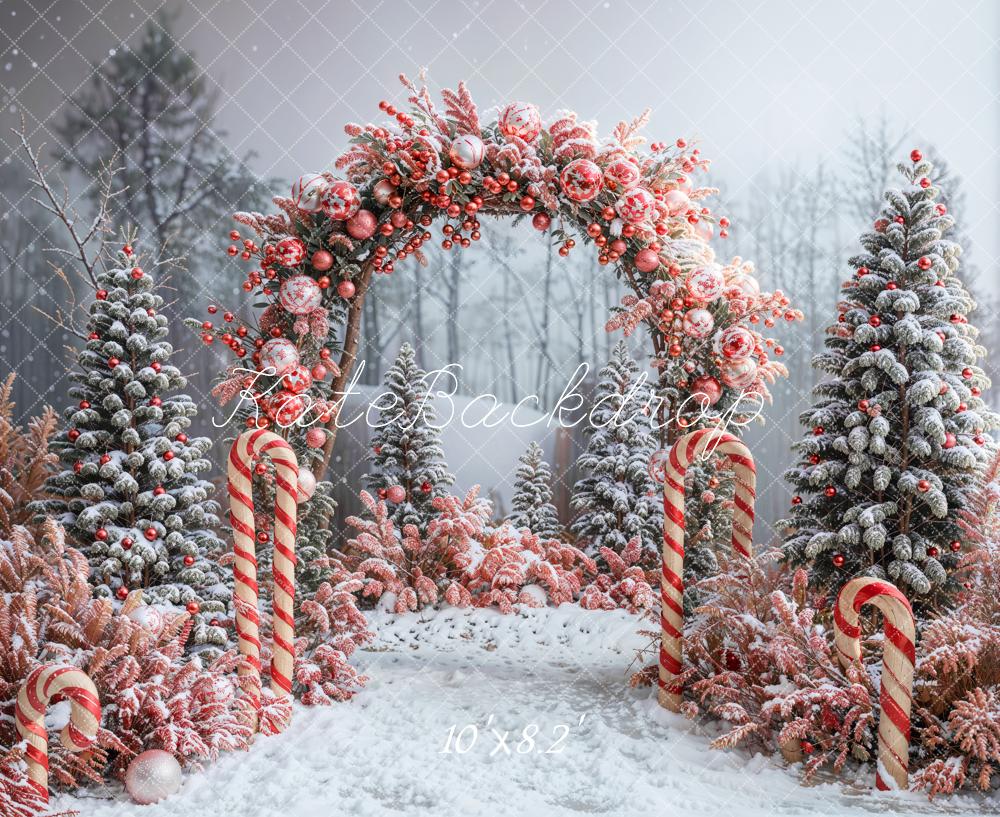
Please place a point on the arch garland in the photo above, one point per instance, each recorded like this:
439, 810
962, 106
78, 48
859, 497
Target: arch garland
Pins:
639, 208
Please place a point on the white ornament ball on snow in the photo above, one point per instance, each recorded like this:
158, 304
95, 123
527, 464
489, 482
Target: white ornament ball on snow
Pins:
279, 354
307, 484
149, 618
300, 295
467, 151
739, 374
520, 119
706, 284
153, 776
636, 205
307, 192
698, 323
622, 174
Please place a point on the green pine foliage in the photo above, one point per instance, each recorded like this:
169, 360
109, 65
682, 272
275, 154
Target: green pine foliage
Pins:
617, 498
129, 491
898, 436
531, 505
406, 445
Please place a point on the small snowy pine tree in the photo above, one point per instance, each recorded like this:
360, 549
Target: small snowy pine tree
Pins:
406, 445
531, 505
897, 438
618, 499
129, 493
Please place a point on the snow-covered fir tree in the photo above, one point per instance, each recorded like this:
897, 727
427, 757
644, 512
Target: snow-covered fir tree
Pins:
129, 492
406, 445
531, 505
899, 434
618, 499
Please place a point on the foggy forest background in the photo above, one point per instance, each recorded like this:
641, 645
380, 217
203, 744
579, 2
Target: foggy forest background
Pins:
517, 317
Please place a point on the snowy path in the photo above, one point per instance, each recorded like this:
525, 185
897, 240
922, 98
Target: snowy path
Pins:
381, 754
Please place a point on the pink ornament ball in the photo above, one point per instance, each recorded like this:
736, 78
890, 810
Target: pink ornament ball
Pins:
520, 119
622, 174
321, 260
698, 323
346, 289
279, 354
706, 283
362, 225
340, 200
636, 205
306, 483
467, 151
395, 494
297, 380
738, 374
316, 437
709, 387
382, 190
736, 343
646, 260
677, 202
300, 295
950, 441
152, 776
581, 180
307, 192
290, 251
541, 221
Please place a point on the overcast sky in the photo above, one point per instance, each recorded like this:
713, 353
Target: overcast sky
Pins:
762, 85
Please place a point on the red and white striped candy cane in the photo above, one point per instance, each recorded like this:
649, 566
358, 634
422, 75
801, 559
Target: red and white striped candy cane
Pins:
249, 447
898, 658
40, 687
684, 452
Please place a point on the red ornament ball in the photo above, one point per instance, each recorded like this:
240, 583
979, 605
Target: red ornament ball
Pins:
192, 607
127, 543
818, 431
321, 260
395, 494
916, 156
838, 559
181, 438
113, 362
168, 455
647, 260
924, 262
863, 405
923, 486
807, 747
541, 221
950, 441
73, 434
315, 437
796, 500
362, 225
122, 593
932, 552
426, 487
101, 294
346, 289
188, 560
297, 380
101, 534
874, 320
830, 491
955, 546
150, 533
708, 386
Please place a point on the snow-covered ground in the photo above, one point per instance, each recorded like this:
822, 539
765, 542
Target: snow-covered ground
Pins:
479, 684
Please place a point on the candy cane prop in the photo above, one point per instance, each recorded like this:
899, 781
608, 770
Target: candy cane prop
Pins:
38, 690
684, 452
248, 448
895, 695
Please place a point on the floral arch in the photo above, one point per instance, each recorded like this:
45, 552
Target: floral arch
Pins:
639, 207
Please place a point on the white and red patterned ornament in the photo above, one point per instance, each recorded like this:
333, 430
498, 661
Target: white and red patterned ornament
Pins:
636, 205
300, 295
622, 174
340, 200
290, 251
520, 119
279, 354
698, 323
307, 192
297, 380
153, 776
286, 407
706, 284
581, 180
657, 467
735, 343
467, 151
743, 285
382, 190
738, 374
707, 386
306, 484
